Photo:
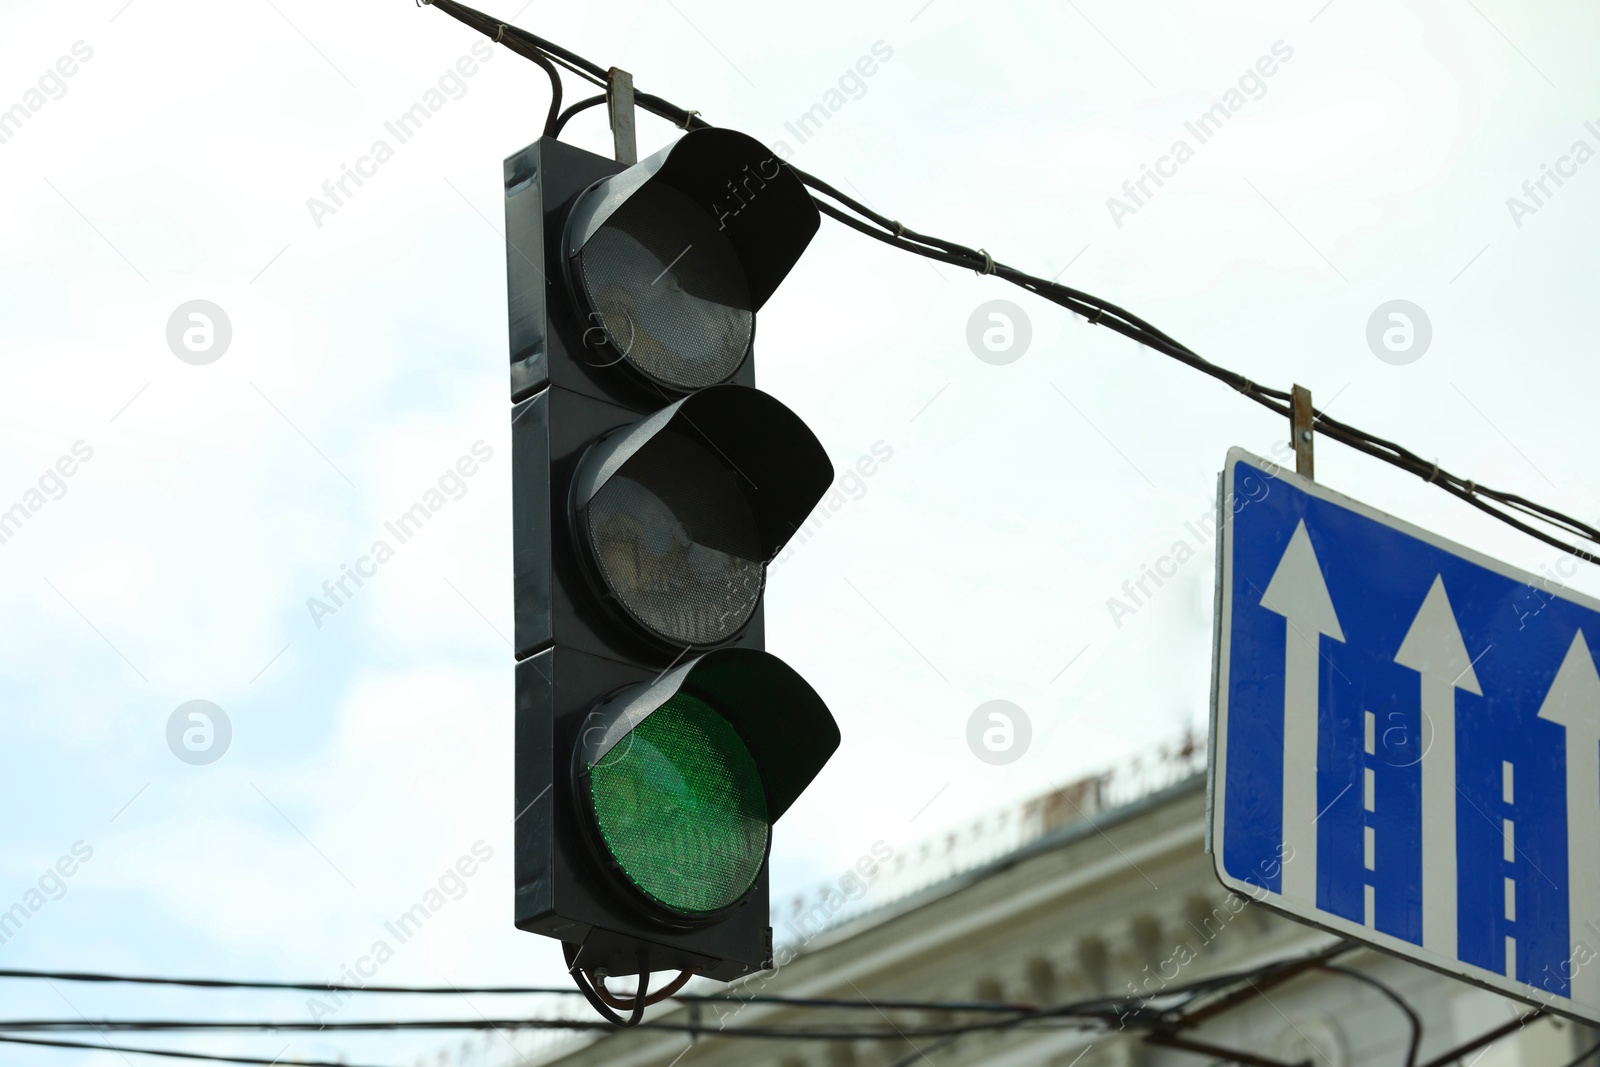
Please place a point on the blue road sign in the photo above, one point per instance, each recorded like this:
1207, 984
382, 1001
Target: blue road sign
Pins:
1406, 740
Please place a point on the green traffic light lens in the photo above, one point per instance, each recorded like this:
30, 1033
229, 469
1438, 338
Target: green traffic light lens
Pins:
681, 808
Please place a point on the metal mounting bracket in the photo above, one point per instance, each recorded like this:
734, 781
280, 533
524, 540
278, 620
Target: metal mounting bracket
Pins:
1302, 425
619, 103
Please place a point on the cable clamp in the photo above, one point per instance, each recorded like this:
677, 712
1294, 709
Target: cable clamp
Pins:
1099, 313
1472, 487
688, 117
1434, 475
988, 263
899, 227
500, 33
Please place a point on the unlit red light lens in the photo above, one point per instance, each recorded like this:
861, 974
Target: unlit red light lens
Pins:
669, 290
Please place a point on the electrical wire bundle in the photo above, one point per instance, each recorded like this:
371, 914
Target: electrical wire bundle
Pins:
1162, 1010
1163, 1017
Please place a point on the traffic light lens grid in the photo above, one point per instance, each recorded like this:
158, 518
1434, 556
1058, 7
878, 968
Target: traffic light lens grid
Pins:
669, 290
681, 808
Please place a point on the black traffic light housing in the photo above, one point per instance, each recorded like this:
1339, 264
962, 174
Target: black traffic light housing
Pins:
652, 483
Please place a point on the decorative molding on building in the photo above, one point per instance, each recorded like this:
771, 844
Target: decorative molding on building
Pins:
931, 861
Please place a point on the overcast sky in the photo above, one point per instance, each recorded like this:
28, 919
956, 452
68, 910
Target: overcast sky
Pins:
165, 152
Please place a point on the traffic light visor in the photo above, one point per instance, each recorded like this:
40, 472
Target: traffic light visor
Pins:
680, 513
684, 776
674, 256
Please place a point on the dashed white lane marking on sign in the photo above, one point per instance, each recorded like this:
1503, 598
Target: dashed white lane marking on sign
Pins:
1368, 802
1508, 794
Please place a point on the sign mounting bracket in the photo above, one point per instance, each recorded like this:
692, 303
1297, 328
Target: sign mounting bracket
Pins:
1302, 423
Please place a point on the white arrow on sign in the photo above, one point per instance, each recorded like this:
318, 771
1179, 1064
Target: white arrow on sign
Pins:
1433, 647
1574, 702
1299, 593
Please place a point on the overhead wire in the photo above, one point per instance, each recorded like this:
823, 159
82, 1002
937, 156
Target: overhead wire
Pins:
910, 1059
906, 1004
1092, 1012
167, 1053
1388, 992
623, 1002
1103, 313
1456, 1055
1502, 505
808, 1032
980, 1006
1094, 1016
312, 987
550, 128
529, 47
575, 108
593, 988
518, 39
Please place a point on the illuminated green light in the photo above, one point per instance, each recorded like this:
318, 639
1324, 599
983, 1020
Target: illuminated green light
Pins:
681, 808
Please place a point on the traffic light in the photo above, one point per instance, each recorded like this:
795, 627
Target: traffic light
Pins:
656, 741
